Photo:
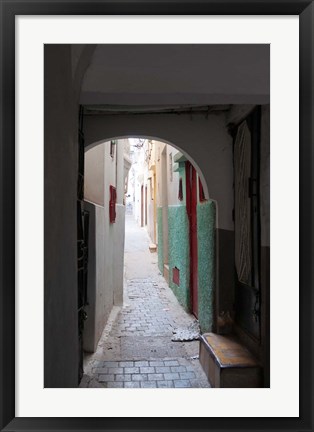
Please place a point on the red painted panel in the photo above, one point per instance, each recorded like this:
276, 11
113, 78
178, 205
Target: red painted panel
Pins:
112, 204
176, 276
191, 205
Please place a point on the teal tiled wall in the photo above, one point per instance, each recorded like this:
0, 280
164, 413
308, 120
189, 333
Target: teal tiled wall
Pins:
206, 216
179, 252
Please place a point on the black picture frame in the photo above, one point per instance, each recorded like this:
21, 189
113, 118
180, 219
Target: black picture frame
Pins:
9, 10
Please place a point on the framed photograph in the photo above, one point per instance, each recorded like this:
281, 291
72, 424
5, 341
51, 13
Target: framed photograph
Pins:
156, 215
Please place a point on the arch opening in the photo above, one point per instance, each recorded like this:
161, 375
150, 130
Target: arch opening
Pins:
187, 155
169, 201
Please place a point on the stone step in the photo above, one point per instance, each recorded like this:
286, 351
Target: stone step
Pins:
153, 247
166, 273
227, 363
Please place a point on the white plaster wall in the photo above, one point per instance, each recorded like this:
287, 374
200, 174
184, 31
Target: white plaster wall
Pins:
94, 174
137, 202
205, 140
118, 255
166, 185
120, 171
172, 184
97, 292
161, 178
106, 254
139, 171
114, 175
119, 225
151, 229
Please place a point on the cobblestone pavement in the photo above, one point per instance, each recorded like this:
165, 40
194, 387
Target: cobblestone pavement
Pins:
135, 350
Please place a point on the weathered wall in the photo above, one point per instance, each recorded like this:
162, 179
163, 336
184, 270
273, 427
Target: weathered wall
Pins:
179, 252
149, 195
60, 247
119, 226
225, 270
204, 139
172, 178
179, 243
106, 241
97, 295
118, 255
160, 237
94, 174
206, 245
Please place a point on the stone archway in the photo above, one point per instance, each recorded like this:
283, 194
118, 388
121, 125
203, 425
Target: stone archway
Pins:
179, 241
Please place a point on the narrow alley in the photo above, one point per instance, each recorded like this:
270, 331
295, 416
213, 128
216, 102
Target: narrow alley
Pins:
138, 348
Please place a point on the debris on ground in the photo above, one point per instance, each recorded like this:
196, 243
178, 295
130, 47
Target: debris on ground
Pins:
190, 333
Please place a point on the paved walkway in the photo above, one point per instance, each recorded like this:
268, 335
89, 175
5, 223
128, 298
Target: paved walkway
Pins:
136, 350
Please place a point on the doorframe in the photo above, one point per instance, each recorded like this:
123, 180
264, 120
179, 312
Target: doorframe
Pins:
191, 196
254, 124
142, 205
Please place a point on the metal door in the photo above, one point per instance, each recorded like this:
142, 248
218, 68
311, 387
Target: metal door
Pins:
247, 224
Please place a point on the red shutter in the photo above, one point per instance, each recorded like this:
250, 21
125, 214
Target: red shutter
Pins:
112, 204
176, 276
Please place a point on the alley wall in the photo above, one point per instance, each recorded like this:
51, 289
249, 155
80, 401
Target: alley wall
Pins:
104, 167
60, 246
172, 224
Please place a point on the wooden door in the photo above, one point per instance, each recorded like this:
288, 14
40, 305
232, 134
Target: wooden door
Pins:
191, 205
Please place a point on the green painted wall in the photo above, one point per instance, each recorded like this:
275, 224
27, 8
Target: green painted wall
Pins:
179, 254
160, 237
179, 251
206, 216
